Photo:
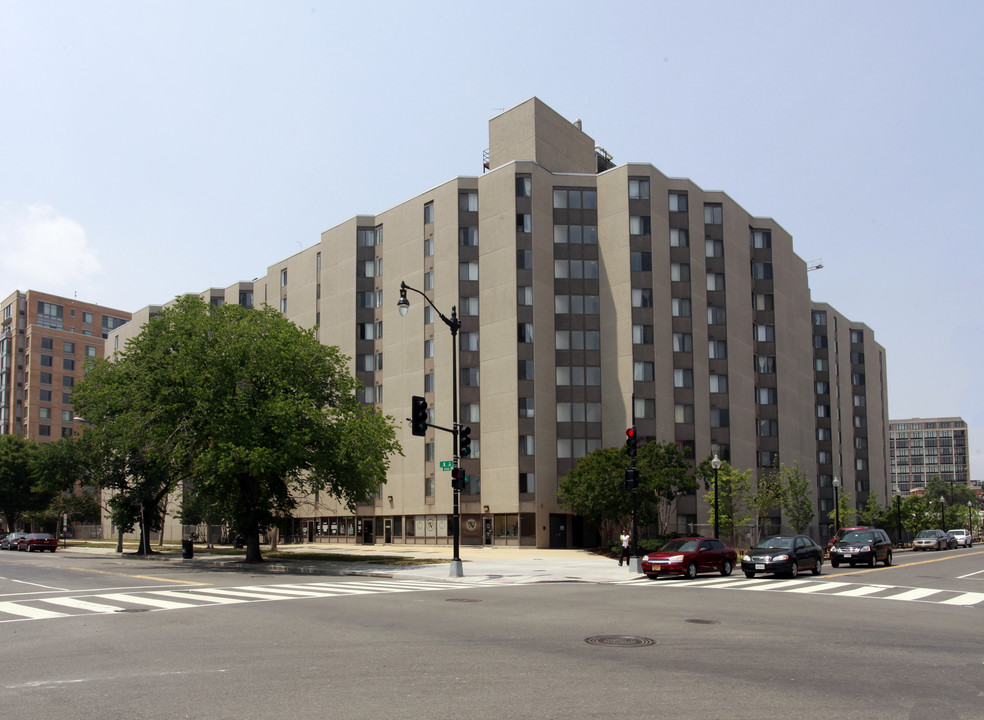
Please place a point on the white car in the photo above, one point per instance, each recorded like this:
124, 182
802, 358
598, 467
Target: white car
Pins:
963, 538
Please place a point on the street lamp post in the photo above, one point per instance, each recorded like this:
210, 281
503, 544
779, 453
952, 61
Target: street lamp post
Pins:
942, 515
454, 324
898, 516
970, 519
837, 512
716, 464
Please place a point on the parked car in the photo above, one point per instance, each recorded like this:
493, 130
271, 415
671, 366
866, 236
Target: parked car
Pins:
842, 532
930, 540
862, 546
783, 555
10, 541
962, 537
951, 540
689, 556
37, 541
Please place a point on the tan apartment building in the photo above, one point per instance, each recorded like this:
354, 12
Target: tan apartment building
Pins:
45, 341
589, 294
924, 448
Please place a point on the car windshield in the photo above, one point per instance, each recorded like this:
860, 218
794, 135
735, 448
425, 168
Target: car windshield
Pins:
678, 545
776, 543
926, 533
854, 537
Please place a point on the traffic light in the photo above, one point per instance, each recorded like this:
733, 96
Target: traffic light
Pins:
457, 478
631, 479
464, 441
630, 442
418, 416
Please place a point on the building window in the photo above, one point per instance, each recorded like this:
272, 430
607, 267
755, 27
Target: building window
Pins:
715, 282
767, 428
524, 295
768, 458
679, 238
44, 430
428, 213
638, 189
46, 378
716, 315
819, 318
468, 341
525, 370
526, 407
283, 305
680, 307
761, 239
429, 280
857, 337
719, 417
645, 408
763, 301
683, 414
468, 271
468, 307
717, 349
525, 332
719, 383
283, 278
468, 201
68, 381
639, 225
527, 483
87, 318
468, 236
713, 248
642, 297
44, 413
762, 271
524, 223
642, 371
819, 342
766, 396
641, 261
765, 333
713, 215
683, 378
683, 342
680, 272
524, 186
642, 334
678, 202
429, 348
50, 315
524, 259
527, 447
429, 246
68, 364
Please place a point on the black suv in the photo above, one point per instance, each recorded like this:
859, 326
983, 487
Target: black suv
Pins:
862, 546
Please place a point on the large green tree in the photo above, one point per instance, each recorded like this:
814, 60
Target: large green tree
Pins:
17, 479
250, 407
595, 488
734, 491
797, 503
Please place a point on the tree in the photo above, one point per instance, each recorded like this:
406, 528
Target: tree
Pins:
734, 491
251, 407
873, 511
768, 497
663, 475
797, 502
845, 509
17, 478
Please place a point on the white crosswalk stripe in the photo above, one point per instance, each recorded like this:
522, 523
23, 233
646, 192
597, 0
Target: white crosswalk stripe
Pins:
198, 597
835, 588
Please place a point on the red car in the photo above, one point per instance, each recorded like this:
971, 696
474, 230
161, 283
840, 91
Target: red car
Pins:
37, 541
689, 556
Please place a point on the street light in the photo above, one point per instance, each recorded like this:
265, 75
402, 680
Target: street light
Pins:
942, 514
454, 324
837, 512
716, 464
898, 514
970, 519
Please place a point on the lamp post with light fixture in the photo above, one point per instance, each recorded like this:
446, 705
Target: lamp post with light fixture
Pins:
454, 324
837, 512
716, 464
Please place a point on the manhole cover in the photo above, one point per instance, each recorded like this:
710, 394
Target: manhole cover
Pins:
620, 640
462, 600
132, 610
697, 621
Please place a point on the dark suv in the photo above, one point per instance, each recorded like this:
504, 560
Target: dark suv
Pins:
862, 546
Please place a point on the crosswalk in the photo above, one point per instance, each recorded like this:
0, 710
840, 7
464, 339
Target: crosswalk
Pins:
36, 608
815, 586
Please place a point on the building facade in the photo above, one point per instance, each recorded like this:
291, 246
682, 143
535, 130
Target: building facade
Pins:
45, 341
591, 296
924, 448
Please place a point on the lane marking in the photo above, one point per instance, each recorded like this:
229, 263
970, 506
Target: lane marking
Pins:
26, 611
78, 604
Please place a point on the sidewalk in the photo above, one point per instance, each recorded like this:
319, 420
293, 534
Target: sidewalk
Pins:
485, 565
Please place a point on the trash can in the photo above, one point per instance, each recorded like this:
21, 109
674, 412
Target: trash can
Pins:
187, 549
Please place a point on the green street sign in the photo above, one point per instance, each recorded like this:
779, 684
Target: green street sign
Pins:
446, 464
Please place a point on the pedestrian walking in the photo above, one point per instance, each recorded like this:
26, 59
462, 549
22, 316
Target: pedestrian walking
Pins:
625, 538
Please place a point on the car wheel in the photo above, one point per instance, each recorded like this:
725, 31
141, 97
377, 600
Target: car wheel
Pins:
30, 548
834, 563
888, 559
726, 568
793, 569
749, 574
853, 564
871, 560
691, 571
817, 566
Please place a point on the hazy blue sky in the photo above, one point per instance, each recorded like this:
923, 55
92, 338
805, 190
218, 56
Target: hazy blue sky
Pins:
153, 148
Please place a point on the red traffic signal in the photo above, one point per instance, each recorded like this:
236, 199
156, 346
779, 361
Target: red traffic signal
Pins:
630, 442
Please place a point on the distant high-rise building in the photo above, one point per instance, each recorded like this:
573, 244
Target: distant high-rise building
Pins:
924, 448
45, 341
591, 296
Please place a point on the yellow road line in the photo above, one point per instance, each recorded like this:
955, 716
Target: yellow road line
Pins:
921, 562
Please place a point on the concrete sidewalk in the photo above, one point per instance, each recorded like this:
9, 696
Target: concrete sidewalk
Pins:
484, 565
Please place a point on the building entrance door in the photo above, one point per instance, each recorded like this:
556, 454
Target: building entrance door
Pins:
388, 530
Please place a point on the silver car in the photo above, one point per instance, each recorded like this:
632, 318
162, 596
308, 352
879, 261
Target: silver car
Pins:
930, 540
962, 537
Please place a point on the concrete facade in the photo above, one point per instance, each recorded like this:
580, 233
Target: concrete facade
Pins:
924, 448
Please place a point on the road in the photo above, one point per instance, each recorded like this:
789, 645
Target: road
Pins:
131, 639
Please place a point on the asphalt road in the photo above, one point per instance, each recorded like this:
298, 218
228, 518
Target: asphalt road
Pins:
162, 640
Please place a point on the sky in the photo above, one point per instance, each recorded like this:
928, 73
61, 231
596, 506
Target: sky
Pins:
153, 148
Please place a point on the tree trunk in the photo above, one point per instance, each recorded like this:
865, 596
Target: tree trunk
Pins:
253, 547
274, 538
